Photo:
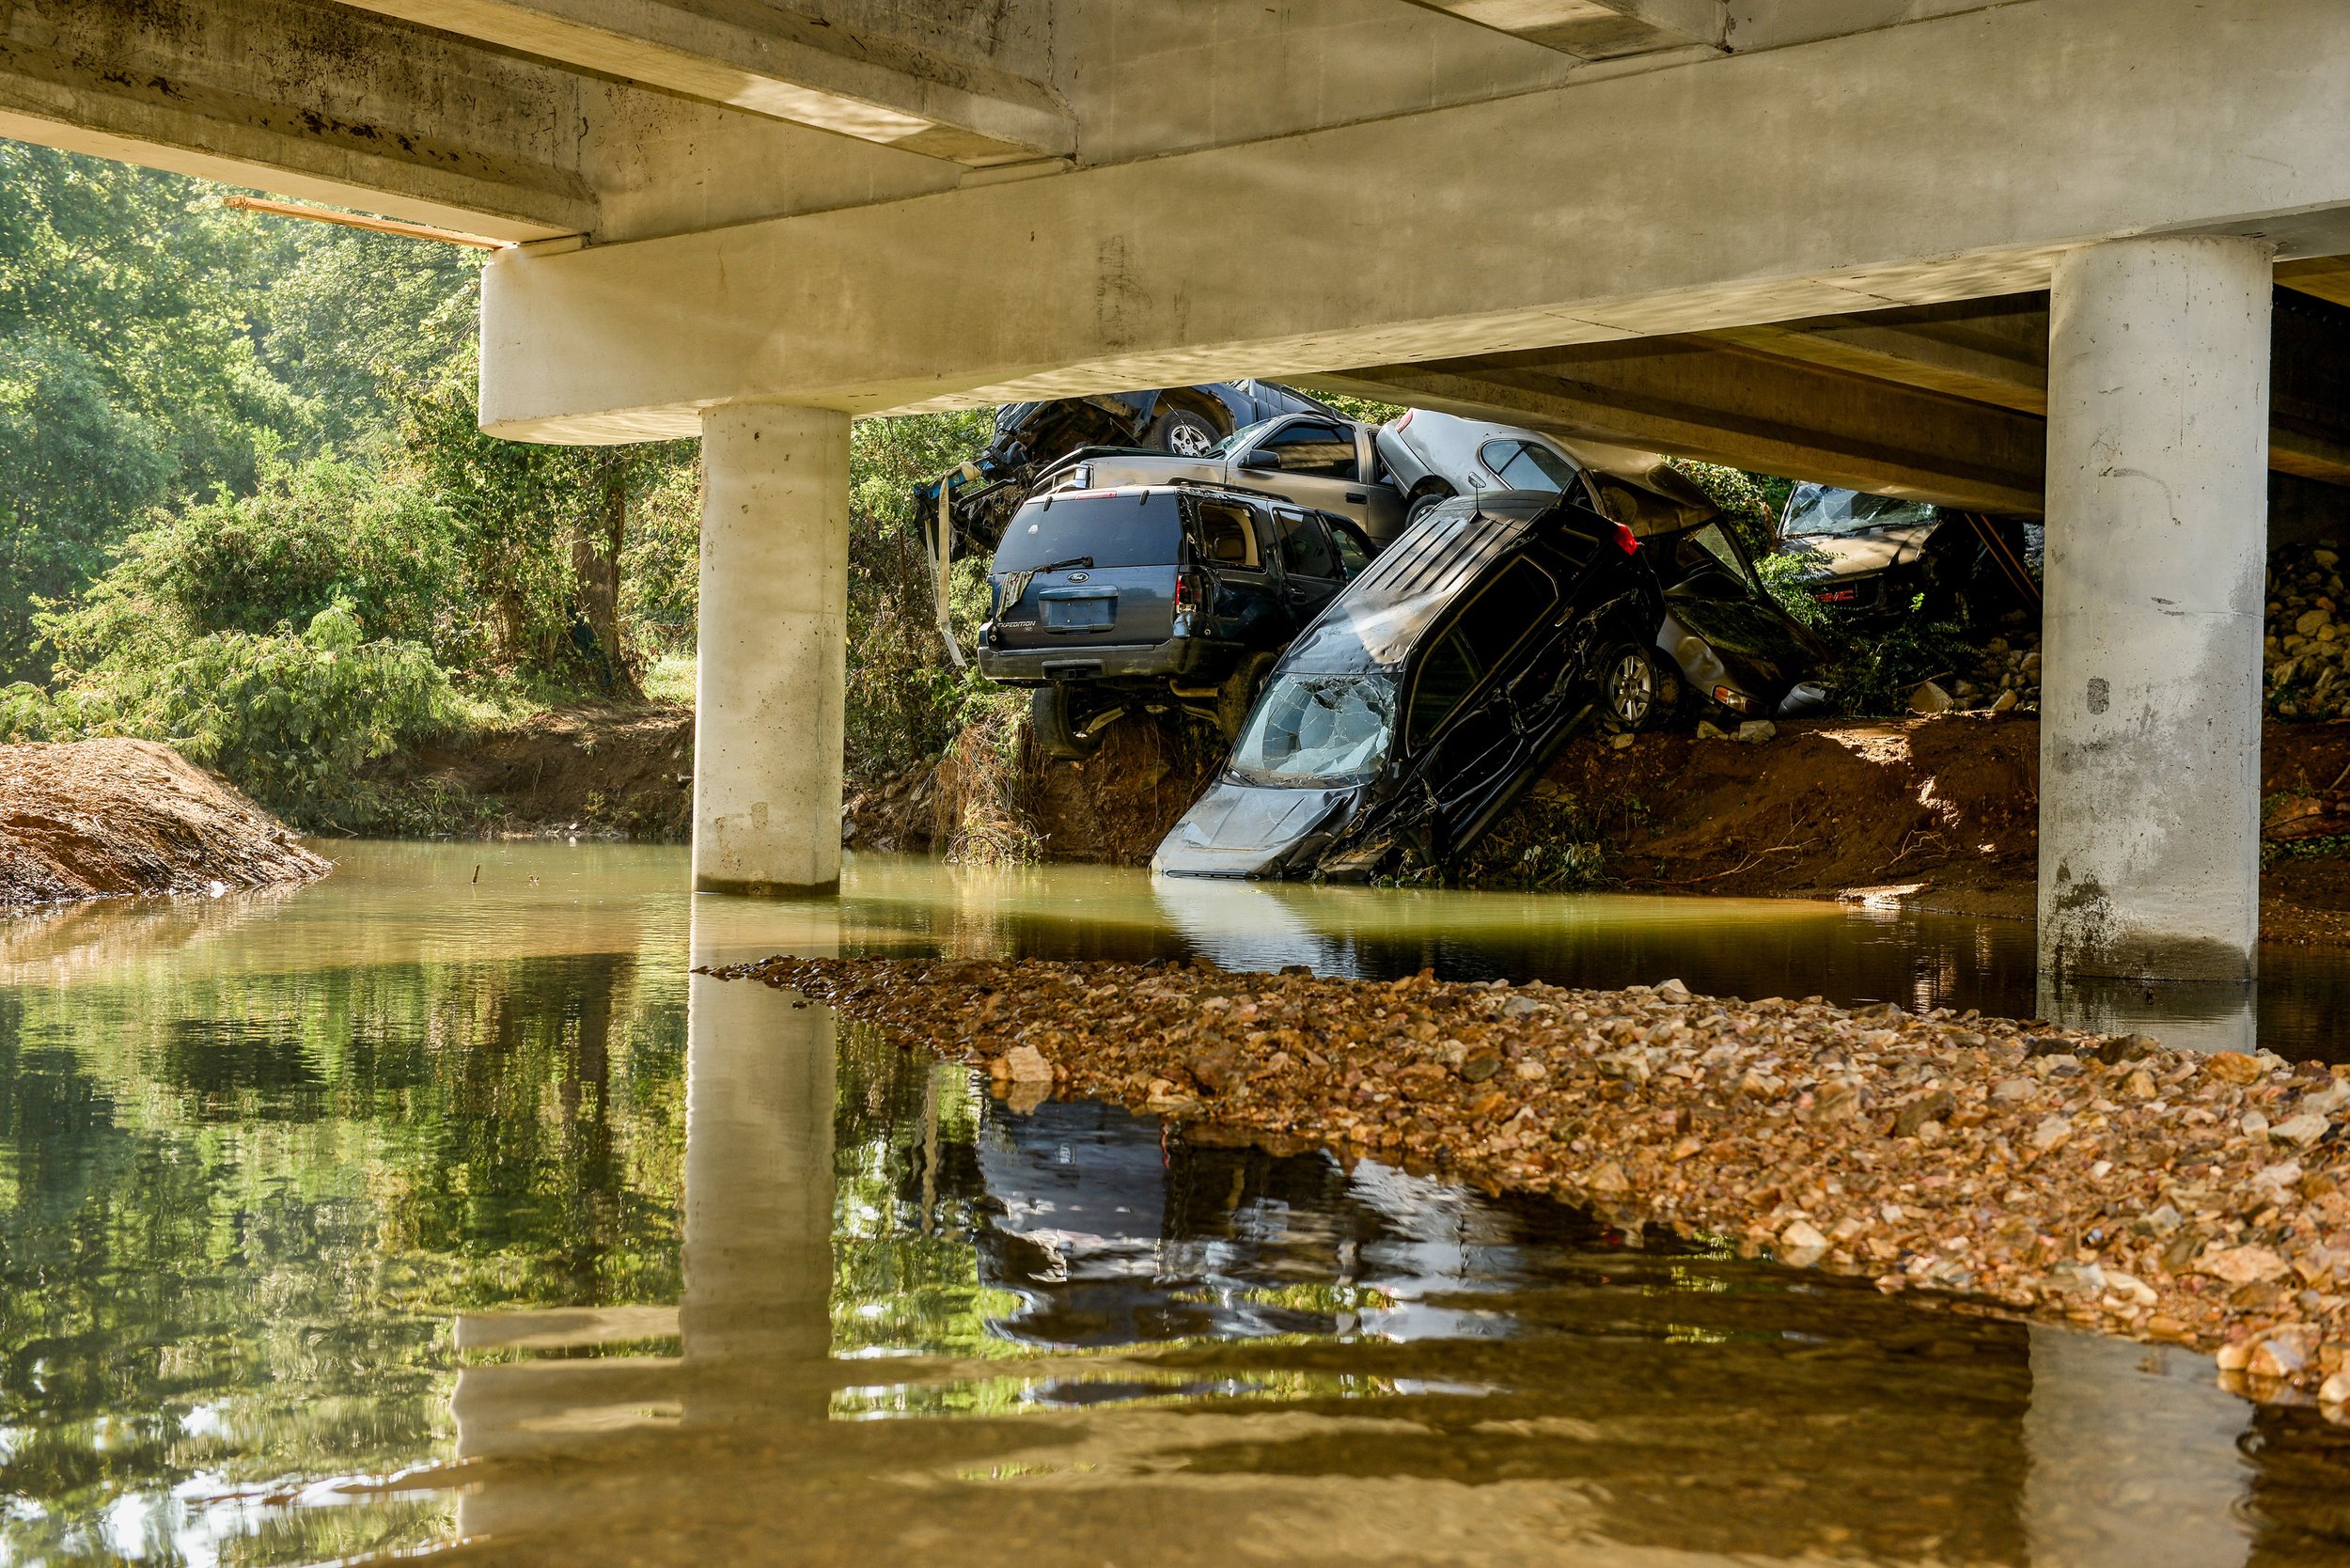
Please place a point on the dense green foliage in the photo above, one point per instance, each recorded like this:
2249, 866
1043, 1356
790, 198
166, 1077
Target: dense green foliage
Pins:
244, 505
128, 367
905, 701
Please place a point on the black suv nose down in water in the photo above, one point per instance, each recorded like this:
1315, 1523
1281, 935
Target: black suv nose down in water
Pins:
1427, 695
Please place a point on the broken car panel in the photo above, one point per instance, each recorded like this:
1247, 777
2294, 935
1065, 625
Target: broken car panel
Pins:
1425, 697
1874, 555
1735, 651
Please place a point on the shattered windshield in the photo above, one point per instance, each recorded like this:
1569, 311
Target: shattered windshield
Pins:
1816, 511
1317, 731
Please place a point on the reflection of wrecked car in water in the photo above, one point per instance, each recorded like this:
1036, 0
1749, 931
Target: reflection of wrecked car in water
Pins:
1161, 596
1876, 555
1418, 706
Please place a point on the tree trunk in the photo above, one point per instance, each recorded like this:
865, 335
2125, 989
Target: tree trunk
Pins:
596, 567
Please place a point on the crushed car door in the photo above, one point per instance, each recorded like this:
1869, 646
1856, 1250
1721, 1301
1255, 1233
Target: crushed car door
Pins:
1232, 545
1485, 706
1310, 570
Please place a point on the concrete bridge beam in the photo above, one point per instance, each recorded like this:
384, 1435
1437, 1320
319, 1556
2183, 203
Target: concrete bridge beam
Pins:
773, 664
2150, 714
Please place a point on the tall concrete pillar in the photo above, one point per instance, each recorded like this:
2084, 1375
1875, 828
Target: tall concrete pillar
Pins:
771, 663
2151, 690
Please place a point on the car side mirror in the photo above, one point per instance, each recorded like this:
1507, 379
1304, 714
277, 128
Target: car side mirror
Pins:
1262, 457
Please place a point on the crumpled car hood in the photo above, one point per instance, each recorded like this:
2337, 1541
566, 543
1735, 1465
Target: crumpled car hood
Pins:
1241, 830
1858, 555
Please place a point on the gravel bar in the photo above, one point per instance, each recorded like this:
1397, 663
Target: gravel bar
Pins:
2108, 1182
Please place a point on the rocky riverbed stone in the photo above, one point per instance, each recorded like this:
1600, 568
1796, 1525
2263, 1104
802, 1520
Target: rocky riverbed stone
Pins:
2003, 1165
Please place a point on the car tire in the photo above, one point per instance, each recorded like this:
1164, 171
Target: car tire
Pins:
1636, 690
1239, 694
1065, 731
1424, 503
1184, 432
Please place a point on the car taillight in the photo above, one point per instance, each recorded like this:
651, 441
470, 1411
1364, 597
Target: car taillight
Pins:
1625, 543
1400, 424
1185, 599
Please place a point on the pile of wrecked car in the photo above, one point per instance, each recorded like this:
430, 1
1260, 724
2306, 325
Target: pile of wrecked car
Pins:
1394, 626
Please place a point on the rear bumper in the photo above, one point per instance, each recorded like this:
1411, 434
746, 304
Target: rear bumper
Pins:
1187, 659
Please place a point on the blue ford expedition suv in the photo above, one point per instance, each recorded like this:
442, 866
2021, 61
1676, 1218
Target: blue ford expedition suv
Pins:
1154, 596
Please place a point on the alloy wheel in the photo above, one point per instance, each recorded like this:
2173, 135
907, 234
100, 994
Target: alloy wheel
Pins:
1631, 688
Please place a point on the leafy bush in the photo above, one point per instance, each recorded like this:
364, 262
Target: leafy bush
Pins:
312, 535
287, 716
905, 701
1875, 676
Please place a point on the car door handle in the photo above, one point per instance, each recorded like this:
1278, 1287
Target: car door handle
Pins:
1356, 495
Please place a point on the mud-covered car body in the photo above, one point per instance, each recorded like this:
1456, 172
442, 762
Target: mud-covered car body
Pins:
1426, 697
1166, 593
1737, 652
1322, 461
1873, 556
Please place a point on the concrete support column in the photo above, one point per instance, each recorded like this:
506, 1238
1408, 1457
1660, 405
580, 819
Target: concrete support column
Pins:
772, 664
2150, 712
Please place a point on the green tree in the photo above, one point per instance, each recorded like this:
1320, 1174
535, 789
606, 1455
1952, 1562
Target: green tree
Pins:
542, 532
127, 368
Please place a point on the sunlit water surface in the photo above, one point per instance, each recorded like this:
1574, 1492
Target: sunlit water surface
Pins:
436, 1210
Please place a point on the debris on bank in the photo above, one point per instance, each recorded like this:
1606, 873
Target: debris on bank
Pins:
91, 819
2110, 1183
2305, 643
589, 770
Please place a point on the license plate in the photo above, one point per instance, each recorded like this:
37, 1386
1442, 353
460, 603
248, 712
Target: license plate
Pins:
1079, 615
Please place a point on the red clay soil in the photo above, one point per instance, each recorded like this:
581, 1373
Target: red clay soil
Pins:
1935, 812
98, 818
1112, 808
611, 771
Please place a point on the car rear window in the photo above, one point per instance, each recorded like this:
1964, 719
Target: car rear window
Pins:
1523, 466
1140, 529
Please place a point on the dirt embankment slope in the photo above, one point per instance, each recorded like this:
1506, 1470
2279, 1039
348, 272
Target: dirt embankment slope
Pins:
607, 770
96, 818
1938, 813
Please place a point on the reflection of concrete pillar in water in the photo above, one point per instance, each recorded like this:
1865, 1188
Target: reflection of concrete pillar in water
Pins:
759, 1196
2133, 1463
2190, 1015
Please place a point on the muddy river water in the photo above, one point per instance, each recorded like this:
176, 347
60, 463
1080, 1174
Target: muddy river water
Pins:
436, 1210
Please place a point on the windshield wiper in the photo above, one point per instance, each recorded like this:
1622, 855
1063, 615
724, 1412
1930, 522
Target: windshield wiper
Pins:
1063, 566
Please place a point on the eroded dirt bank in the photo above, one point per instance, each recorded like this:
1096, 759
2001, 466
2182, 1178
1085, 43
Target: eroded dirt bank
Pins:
2150, 1193
1940, 812
609, 771
91, 819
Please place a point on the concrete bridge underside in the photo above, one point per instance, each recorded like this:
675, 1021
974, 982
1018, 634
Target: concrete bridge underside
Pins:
2063, 256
